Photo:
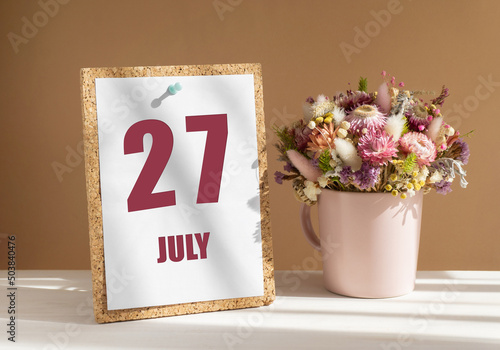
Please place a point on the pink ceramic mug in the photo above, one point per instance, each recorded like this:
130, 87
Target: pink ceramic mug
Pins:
368, 241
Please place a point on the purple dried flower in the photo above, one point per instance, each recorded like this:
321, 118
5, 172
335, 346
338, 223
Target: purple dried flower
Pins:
288, 167
345, 175
315, 162
367, 176
278, 177
310, 99
438, 101
464, 153
443, 187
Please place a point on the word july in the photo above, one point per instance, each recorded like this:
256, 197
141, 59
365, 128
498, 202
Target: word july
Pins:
176, 247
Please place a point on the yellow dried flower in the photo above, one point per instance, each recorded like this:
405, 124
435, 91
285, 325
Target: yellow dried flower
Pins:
415, 174
421, 183
328, 120
417, 187
409, 186
403, 195
393, 177
388, 187
319, 120
394, 193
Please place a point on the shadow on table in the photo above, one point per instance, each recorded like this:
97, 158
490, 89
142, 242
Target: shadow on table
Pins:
273, 327
194, 332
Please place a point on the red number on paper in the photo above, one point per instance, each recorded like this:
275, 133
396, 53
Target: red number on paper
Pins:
142, 196
215, 148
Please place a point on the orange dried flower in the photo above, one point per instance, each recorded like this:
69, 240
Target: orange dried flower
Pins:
321, 139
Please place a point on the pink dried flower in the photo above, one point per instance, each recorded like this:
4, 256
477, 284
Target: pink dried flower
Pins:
421, 145
377, 147
304, 165
353, 100
418, 117
366, 116
383, 99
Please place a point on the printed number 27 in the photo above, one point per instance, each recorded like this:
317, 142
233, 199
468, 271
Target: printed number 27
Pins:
142, 197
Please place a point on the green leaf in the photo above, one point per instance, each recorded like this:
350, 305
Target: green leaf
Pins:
469, 134
409, 163
286, 141
363, 84
324, 161
336, 180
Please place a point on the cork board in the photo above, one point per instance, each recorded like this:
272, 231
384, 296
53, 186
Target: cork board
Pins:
150, 98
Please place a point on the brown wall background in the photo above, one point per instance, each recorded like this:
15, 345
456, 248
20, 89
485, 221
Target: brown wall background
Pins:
424, 43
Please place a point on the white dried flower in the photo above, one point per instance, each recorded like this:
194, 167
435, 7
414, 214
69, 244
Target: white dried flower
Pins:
422, 174
345, 125
311, 125
321, 98
338, 115
435, 177
311, 190
348, 153
323, 181
395, 125
342, 133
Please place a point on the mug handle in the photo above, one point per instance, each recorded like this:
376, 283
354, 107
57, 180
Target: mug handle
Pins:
307, 228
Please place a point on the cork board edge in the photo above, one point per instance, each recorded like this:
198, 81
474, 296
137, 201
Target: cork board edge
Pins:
94, 204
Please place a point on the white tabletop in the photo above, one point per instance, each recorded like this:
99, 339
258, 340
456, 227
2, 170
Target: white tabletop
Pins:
447, 310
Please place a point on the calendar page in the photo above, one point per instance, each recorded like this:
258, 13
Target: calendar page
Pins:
179, 181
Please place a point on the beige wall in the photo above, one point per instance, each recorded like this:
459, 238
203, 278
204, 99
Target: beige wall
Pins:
423, 43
